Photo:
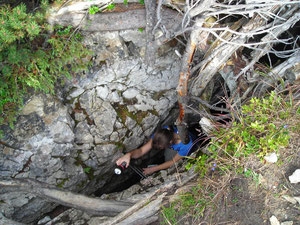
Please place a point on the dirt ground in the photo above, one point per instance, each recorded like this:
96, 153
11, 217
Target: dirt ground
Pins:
253, 197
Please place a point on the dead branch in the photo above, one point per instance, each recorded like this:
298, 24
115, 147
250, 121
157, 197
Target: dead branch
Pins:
150, 21
151, 198
209, 70
90, 205
202, 113
209, 106
273, 12
257, 54
158, 16
276, 74
182, 87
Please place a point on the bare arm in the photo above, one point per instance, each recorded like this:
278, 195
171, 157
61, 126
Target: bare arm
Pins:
163, 166
135, 153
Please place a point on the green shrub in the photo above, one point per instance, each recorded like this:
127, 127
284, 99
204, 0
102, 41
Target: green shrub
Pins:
32, 58
262, 129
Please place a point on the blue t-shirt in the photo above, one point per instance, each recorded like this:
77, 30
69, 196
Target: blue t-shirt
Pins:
182, 149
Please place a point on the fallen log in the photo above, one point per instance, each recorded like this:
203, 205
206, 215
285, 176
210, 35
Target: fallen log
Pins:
113, 21
93, 206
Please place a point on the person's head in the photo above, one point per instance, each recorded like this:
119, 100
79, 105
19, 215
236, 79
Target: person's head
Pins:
163, 139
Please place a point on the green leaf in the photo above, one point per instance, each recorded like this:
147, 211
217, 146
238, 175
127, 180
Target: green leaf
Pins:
111, 6
87, 169
93, 10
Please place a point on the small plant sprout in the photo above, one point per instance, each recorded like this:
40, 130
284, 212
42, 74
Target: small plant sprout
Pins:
93, 10
87, 169
111, 6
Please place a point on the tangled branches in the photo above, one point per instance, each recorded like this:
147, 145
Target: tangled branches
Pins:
232, 37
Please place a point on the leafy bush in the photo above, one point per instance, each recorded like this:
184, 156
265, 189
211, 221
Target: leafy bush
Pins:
33, 59
263, 128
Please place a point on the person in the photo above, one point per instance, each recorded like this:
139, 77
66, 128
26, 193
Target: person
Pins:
164, 139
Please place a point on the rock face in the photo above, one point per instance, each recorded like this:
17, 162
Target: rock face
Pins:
73, 139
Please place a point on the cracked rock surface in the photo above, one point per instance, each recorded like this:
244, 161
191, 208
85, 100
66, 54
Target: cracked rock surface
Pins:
72, 140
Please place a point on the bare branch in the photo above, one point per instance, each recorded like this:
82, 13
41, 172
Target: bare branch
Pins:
208, 105
208, 70
275, 33
277, 73
158, 15
203, 113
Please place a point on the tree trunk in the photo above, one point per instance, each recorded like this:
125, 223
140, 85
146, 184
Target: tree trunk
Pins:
182, 87
90, 205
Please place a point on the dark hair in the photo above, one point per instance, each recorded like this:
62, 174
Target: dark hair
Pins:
162, 138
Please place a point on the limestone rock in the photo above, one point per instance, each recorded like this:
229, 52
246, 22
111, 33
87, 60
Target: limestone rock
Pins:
206, 125
130, 93
295, 177
102, 92
77, 91
287, 223
58, 137
82, 134
297, 199
44, 220
274, 220
271, 158
5, 221
36, 104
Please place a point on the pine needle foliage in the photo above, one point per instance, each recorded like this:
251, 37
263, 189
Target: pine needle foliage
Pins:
32, 57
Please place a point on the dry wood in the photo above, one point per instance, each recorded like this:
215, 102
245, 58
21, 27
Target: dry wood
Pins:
150, 23
157, 194
114, 21
182, 87
208, 70
276, 74
291, 18
90, 205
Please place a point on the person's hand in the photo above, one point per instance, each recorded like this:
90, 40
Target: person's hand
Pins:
149, 170
124, 158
